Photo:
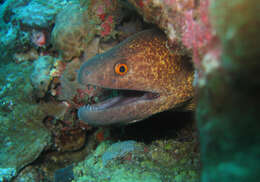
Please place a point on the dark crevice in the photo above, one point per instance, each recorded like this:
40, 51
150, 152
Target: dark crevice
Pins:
165, 125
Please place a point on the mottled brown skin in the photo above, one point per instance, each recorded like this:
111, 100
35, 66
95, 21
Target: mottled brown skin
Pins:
152, 67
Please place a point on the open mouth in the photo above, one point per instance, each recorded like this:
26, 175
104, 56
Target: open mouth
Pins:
111, 98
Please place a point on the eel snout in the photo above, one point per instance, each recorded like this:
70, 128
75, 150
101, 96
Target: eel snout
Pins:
120, 106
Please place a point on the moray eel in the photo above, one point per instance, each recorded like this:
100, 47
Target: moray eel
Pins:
148, 77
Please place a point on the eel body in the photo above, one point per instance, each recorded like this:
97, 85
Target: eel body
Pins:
148, 77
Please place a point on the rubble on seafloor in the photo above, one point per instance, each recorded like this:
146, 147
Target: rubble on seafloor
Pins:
43, 44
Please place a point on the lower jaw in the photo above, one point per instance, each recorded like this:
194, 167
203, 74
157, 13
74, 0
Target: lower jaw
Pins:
112, 115
124, 106
118, 115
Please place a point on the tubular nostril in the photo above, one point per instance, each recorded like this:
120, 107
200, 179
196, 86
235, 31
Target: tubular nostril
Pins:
82, 73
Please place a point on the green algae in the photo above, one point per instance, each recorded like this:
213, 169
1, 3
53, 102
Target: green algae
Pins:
22, 134
155, 162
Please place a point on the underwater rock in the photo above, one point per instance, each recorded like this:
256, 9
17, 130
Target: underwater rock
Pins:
128, 28
6, 10
12, 40
228, 104
180, 20
26, 24
129, 161
22, 133
30, 55
29, 174
68, 80
38, 13
70, 139
71, 32
105, 15
78, 24
8, 37
40, 77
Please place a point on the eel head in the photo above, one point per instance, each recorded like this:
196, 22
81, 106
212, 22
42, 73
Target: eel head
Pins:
140, 74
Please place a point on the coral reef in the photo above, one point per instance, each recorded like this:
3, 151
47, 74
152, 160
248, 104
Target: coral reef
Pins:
39, 97
40, 93
70, 37
93, 18
40, 131
105, 14
43, 13
29, 55
20, 30
41, 77
169, 15
184, 22
133, 161
69, 83
11, 40
23, 135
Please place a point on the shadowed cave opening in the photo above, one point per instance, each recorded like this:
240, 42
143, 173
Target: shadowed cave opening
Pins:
165, 125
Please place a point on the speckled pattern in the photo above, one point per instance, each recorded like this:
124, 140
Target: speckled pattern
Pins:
152, 67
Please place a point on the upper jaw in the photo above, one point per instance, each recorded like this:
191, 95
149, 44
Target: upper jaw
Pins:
127, 106
122, 97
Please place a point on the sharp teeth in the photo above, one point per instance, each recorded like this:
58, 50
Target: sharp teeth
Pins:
91, 108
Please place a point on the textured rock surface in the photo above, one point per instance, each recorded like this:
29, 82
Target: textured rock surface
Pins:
22, 134
41, 77
18, 21
38, 13
132, 161
8, 42
28, 174
71, 32
105, 15
169, 15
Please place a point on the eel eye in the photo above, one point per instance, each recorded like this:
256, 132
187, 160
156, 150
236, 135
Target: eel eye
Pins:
121, 69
